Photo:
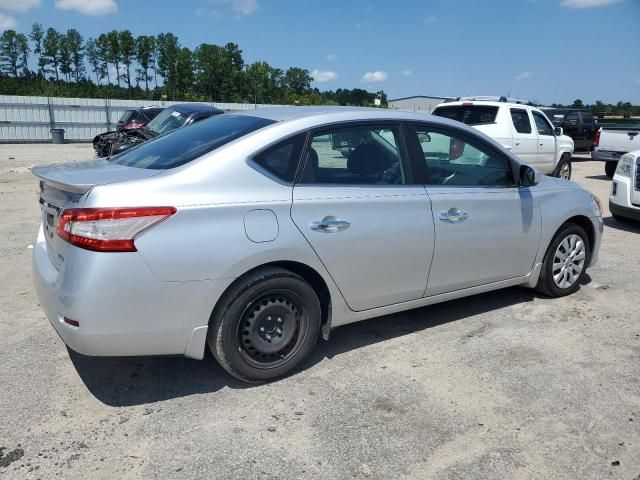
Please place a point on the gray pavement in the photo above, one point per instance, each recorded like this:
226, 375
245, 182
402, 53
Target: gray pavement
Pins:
502, 385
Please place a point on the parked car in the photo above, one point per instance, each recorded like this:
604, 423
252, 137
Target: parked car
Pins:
577, 123
250, 233
176, 116
518, 126
137, 118
612, 142
624, 201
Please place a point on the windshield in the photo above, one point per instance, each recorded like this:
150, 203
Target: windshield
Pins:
469, 114
166, 121
187, 144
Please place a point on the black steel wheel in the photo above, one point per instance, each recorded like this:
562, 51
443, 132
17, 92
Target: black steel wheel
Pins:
265, 326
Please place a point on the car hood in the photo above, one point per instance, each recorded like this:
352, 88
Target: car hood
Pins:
81, 176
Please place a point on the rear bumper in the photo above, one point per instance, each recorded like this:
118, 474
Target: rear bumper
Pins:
606, 155
122, 307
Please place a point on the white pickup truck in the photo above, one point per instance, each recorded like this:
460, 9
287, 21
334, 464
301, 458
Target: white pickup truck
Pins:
518, 126
611, 142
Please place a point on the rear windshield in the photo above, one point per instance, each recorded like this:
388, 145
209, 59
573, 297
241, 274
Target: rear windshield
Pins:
127, 116
186, 144
168, 120
469, 114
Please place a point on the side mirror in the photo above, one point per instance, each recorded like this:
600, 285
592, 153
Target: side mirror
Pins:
528, 176
559, 131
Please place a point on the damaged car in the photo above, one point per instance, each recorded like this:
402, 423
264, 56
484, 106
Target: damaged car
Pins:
176, 116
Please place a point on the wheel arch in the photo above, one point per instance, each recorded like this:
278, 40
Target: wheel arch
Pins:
308, 273
586, 224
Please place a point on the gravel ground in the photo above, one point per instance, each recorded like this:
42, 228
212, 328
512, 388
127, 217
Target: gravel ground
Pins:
501, 385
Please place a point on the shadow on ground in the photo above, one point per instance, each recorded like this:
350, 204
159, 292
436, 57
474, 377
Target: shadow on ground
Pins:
626, 226
125, 381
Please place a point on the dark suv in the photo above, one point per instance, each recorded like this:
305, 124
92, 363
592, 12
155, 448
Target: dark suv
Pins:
576, 123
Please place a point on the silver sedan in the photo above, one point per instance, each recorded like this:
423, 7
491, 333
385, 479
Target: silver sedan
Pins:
255, 233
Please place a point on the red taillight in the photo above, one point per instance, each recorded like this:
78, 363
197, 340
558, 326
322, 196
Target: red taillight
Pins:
131, 125
73, 323
109, 229
596, 139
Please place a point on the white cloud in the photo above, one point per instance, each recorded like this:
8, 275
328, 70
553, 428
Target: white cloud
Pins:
244, 7
323, 75
587, 3
331, 57
430, 20
88, 7
523, 76
406, 73
239, 7
7, 22
377, 76
19, 5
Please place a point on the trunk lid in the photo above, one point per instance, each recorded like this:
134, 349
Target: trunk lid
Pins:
67, 185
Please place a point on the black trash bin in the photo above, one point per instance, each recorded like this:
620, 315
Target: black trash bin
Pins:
57, 135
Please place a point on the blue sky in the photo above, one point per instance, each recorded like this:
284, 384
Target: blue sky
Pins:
544, 50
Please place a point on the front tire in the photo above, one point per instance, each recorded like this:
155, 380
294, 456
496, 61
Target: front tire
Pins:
565, 262
265, 325
563, 169
610, 168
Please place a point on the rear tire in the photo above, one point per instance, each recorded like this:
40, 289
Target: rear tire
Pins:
565, 262
563, 169
265, 325
610, 168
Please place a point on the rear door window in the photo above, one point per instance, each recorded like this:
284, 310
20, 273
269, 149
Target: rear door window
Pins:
186, 144
357, 155
520, 119
469, 114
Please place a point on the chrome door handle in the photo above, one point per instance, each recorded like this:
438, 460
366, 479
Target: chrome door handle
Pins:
453, 215
330, 224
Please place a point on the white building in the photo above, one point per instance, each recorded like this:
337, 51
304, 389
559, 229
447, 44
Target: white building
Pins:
419, 103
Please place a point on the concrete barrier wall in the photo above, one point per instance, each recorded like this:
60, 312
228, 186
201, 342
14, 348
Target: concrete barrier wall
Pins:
30, 119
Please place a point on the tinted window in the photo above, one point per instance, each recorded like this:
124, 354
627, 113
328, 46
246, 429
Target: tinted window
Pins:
453, 161
187, 144
127, 116
362, 155
520, 119
587, 117
469, 114
282, 159
542, 124
571, 120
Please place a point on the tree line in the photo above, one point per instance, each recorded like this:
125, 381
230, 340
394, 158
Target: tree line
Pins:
118, 64
602, 109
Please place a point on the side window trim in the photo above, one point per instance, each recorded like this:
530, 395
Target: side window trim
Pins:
477, 143
402, 149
